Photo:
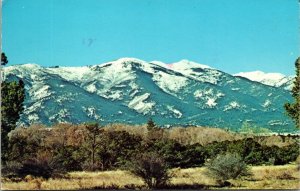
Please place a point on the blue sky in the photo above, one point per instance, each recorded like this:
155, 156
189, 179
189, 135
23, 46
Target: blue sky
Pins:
231, 35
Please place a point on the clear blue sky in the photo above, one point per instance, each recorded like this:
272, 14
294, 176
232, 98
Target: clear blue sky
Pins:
231, 35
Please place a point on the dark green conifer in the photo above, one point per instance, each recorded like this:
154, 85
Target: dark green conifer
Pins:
293, 109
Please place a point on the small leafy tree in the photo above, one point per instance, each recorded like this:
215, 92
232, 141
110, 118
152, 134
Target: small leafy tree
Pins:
152, 168
227, 166
293, 109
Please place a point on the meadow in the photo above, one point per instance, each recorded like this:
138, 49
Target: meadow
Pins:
264, 177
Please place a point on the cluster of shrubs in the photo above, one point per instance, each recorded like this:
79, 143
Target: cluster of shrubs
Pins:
49, 152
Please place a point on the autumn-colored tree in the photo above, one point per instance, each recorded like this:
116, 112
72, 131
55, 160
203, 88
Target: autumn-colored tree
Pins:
92, 144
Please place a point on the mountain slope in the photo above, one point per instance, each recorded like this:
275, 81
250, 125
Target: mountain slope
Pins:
129, 90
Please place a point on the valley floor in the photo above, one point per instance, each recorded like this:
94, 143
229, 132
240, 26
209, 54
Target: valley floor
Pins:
264, 177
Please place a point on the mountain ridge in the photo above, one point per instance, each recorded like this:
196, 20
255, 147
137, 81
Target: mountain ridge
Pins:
130, 90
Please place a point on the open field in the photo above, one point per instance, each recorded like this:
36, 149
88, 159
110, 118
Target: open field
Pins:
264, 177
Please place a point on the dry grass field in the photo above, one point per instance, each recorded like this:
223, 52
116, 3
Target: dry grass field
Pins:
264, 177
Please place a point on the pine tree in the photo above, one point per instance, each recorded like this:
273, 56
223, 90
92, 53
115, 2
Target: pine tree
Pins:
12, 98
154, 132
151, 125
293, 109
4, 60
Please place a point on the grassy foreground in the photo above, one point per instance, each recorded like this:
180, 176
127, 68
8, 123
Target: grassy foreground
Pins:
264, 177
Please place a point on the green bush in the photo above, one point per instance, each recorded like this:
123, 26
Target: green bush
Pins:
152, 168
227, 166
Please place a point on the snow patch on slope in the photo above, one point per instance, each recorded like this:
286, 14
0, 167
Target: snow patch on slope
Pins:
138, 103
232, 105
267, 103
91, 88
169, 83
62, 116
176, 112
211, 102
91, 112
209, 96
39, 91
33, 118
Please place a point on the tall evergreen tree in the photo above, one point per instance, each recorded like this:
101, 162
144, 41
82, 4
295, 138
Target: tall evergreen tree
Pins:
154, 131
12, 98
151, 125
293, 109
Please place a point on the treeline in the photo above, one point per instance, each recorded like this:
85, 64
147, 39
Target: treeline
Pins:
47, 152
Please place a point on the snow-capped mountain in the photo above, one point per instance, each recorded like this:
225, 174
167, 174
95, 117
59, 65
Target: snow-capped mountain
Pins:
271, 79
131, 91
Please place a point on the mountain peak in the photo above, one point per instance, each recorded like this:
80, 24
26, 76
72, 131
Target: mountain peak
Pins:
271, 79
259, 75
129, 59
186, 64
